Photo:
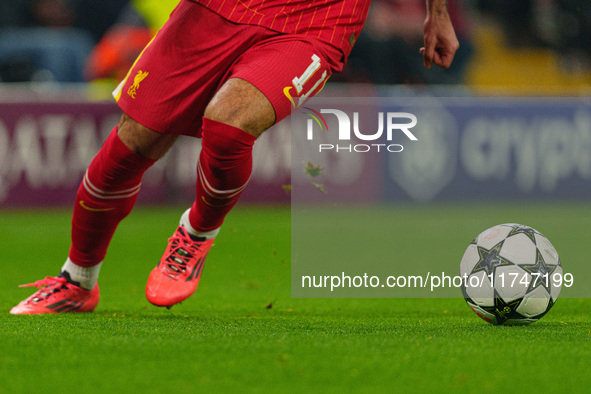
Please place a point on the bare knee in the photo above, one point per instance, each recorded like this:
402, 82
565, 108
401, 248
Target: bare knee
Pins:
142, 140
238, 103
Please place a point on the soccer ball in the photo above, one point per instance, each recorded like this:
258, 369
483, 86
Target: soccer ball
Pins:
511, 275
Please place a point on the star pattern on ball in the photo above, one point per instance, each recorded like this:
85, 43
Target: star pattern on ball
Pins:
541, 273
502, 310
490, 259
525, 230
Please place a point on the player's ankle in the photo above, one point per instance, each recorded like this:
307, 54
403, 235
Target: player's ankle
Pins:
194, 233
85, 277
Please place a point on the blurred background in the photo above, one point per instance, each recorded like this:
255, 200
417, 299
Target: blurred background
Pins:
524, 46
60, 60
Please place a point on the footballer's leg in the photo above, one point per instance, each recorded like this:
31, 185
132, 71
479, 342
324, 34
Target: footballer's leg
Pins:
107, 194
236, 115
247, 104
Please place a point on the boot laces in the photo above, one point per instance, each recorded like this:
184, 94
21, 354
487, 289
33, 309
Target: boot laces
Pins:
182, 251
47, 287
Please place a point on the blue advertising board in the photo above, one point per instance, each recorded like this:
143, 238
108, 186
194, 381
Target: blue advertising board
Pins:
468, 148
494, 149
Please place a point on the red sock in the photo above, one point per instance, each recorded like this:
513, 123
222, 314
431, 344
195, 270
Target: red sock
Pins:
224, 168
107, 195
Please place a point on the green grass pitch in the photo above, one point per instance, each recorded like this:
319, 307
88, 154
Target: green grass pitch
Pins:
242, 332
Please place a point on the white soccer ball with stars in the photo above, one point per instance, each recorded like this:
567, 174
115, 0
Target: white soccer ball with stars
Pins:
511, 275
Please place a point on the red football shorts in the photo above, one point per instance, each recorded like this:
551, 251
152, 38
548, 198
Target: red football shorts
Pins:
169, 86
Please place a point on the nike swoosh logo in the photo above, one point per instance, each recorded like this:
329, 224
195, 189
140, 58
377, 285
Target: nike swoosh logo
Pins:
215, 205
83, 205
